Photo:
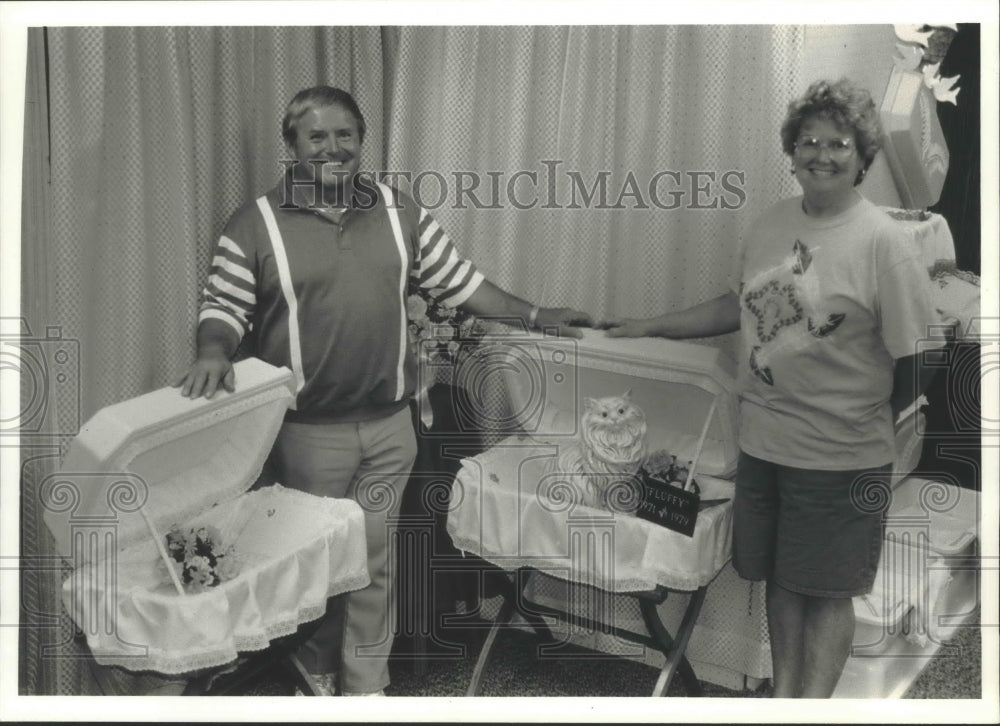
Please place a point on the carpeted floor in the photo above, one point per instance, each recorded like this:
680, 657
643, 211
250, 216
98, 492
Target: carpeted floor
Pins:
516, 670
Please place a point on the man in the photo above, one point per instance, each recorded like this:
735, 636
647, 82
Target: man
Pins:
319, 267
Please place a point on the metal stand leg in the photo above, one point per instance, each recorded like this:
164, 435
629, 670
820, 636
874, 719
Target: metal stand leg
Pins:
658, 636
511, 604
503, 618
533, 619
674, 650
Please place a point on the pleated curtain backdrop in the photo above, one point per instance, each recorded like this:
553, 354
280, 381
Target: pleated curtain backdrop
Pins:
654, 104
156, 136
153, 136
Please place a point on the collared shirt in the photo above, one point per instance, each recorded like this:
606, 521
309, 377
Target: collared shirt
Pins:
326, 297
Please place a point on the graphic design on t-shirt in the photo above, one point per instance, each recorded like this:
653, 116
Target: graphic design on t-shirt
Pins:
802, 258
762, 372
776, 306
833, 321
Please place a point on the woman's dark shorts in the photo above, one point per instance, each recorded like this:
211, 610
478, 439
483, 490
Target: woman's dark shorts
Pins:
813, 532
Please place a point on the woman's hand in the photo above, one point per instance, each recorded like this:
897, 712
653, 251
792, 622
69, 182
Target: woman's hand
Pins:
715, 317
566, 320
626, 327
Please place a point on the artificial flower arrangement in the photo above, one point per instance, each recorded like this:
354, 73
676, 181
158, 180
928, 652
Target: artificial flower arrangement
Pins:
200, 558
441, 337
449, 329
663, 467
666, 498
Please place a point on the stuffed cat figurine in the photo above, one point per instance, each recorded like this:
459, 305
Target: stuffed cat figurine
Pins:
609, 449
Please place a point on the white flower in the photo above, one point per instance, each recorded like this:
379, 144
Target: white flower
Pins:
416, 307
199, 564
195, 551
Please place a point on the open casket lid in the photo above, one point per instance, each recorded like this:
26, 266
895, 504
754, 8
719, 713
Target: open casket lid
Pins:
674, 382
166, 457
914, 142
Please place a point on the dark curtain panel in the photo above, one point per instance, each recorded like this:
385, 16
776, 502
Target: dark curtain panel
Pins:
960, 202
953, 444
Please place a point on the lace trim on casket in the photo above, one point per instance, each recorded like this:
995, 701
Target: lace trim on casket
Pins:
221, 655
942, 269
907, 215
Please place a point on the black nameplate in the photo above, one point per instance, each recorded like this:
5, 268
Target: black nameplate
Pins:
668, 505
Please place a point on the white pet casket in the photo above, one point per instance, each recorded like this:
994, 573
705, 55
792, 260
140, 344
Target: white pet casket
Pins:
161, 459
508, 506
547, 378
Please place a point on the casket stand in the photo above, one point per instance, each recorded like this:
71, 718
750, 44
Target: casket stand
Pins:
509, 509
141, 466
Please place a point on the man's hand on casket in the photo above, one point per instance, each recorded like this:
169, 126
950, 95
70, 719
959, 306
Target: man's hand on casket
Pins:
205, 375
566, 321
217, 342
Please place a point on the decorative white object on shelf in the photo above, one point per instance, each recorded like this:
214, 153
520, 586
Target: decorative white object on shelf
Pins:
142, 466
926, 60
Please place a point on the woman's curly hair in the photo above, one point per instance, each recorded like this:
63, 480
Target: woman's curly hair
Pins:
846, 105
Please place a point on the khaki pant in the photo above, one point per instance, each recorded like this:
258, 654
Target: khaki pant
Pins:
370, 463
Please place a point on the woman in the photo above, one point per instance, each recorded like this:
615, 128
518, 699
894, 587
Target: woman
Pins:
830, 301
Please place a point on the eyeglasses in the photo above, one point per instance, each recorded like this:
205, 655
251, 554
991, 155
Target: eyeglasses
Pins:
837, 148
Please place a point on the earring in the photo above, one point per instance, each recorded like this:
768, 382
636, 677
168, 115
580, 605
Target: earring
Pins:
793, 171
